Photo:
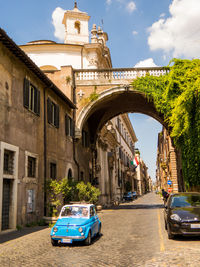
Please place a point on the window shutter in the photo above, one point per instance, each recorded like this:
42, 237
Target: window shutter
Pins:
71, 127
36, 101
49, 111
26, 93
57, 116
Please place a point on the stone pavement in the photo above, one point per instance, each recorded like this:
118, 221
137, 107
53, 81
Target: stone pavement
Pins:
132, 235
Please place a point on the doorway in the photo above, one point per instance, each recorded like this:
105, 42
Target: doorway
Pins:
6, 204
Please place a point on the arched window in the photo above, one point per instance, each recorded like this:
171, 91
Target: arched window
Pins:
69, 176
77, 27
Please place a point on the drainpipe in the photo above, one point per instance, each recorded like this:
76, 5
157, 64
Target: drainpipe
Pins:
45, 155
74, 122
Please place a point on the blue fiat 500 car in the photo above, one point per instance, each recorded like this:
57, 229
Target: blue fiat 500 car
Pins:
77, 222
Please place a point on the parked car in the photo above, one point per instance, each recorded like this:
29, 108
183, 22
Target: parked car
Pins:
182, 214
77, 222
128, 196
134, 193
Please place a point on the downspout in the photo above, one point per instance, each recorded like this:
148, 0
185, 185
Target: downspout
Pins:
74, 122
45, 155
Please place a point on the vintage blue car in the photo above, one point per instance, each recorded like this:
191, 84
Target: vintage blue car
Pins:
77, 222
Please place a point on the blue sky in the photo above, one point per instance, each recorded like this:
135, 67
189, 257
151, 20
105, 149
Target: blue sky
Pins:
141, 33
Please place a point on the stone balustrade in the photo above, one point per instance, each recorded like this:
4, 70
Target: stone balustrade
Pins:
117, 74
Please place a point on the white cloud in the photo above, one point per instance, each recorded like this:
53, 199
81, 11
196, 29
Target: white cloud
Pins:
57, 17
108, 2
178, 35
146, 63
162, 15
134, 32
131, 6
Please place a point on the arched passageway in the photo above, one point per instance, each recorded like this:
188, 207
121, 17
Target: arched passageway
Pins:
111, 103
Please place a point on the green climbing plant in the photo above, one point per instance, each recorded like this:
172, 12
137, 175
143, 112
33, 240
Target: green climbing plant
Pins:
176, 95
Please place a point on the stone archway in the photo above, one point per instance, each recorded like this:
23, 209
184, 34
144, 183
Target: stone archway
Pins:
112, 102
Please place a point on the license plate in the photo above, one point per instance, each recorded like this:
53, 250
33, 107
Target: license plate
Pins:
66, 241
195, 226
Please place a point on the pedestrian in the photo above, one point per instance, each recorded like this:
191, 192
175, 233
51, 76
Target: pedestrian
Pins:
164, 195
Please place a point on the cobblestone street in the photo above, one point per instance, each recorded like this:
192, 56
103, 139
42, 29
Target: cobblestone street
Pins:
132, 235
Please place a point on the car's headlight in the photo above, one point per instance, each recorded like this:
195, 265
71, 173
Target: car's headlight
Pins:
80, 229
55, 229
175, 217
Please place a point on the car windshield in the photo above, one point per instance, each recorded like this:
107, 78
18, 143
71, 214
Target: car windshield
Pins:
74, 211
185, 201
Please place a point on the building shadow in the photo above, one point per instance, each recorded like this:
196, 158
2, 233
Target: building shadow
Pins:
8, 236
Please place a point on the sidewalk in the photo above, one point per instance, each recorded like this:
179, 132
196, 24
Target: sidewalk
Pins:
11, 235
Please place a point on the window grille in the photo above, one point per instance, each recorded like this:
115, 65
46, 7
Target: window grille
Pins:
31, 167
8, 162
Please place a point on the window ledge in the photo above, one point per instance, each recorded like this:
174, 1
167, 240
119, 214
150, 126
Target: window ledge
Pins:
29, 180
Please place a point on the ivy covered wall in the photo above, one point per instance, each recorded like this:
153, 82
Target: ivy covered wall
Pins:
177, 96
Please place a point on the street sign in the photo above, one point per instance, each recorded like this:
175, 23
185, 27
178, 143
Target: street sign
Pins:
169, 182
170, 190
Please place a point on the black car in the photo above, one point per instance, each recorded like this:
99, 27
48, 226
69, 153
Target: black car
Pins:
182, 214
134, 193
128, 196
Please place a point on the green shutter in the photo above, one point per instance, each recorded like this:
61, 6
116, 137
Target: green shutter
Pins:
49, 111
36, 101
26, 93
57, 116
71, 127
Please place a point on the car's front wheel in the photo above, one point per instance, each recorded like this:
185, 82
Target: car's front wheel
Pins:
170, 235
88, 240
54, 242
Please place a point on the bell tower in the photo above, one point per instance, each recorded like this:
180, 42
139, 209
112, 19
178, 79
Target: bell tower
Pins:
76, 26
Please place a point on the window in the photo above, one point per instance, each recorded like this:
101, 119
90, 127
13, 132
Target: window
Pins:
119, 124
53, 170
52, 113
77, 27
85, 139
31, 201
68, 126
31, 97
8, 165
31, 167
69, 176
